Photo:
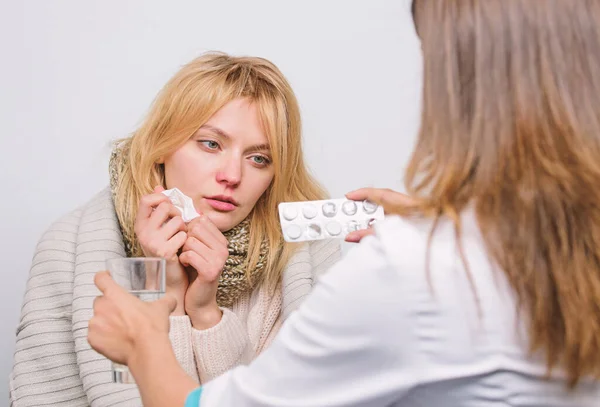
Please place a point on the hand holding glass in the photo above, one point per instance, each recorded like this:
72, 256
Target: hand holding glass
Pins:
144, 277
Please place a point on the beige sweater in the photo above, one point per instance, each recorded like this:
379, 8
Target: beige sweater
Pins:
54, 364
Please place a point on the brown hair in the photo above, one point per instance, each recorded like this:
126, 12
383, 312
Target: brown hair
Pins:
511, 125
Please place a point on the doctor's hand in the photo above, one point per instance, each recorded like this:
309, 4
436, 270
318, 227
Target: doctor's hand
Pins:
385, 197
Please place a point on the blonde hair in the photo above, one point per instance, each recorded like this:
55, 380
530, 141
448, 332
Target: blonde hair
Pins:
511, 125
186, 102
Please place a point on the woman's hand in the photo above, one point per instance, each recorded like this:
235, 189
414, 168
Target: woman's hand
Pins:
123, 325
161, 233
204, 254
385, 197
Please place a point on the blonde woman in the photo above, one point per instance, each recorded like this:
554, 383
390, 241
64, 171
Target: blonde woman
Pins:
226, 131
486, 290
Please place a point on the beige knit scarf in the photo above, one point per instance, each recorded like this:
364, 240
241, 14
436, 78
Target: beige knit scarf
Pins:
234, 280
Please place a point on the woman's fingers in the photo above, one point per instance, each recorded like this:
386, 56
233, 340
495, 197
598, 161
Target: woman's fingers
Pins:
173, 226
163, 212
148, 203
385, 197
202, 226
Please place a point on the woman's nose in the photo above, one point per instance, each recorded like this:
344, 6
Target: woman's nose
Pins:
230, 173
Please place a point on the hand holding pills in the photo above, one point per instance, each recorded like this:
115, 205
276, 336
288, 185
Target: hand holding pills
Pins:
326, 219
385, 197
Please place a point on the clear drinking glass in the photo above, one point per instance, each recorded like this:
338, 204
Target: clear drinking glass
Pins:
144, 277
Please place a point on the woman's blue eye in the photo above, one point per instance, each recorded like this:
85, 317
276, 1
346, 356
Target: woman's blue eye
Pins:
212, 145
259, 159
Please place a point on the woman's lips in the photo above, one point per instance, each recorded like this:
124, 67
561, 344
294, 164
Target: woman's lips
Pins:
221, 206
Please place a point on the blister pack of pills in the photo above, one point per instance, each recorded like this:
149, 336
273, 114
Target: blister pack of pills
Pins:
326, 219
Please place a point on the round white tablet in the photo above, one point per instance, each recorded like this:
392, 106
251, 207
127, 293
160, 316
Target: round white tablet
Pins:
290, 213
293, 232
309, 211
334, 228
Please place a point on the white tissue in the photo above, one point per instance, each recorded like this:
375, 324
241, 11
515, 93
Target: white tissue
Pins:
182, 202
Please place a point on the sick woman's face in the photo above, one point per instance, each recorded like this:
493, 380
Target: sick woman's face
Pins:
226, 166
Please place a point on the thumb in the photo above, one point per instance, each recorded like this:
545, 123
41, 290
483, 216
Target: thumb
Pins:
167, 303
158, 189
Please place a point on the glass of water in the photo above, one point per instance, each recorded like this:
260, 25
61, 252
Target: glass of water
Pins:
144, 277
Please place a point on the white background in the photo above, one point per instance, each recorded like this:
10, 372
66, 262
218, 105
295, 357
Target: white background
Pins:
75, 75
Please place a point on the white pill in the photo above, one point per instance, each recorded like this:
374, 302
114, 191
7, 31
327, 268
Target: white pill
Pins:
334, 228
309, 211
353, 226
290, 213
329, 209
314, 230
369, 207
349, 208
293, 232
